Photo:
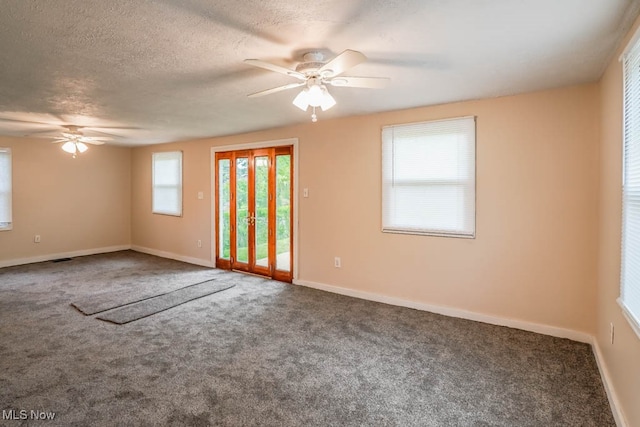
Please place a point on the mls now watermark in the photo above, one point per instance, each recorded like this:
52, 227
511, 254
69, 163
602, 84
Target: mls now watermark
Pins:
23, 414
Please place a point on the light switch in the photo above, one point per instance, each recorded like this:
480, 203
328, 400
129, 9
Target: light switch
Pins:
305, 192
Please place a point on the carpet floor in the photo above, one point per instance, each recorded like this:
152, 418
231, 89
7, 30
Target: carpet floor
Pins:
265, 353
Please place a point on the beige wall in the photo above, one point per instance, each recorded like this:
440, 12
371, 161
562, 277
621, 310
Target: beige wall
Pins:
176, 235
73, 204
622, 359
534, 258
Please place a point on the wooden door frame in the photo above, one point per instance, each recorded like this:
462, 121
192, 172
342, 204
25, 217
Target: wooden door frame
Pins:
294, 191
257, 152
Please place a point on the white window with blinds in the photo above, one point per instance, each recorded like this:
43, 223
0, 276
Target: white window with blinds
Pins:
630, 274
429, 178
5, 189
167, 183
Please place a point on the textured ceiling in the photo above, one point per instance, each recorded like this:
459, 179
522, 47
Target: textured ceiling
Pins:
164, 70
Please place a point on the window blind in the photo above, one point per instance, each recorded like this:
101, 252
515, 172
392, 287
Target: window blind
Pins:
5, 189
428, 178
167, 183
630, 274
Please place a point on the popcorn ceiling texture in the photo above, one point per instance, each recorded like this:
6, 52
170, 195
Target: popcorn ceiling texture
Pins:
173, 69
268, 353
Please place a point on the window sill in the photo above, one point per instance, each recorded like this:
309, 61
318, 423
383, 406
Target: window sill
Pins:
178, 215
635, 325
428, 233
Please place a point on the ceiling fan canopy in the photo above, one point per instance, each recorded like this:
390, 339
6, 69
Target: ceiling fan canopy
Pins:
315, 74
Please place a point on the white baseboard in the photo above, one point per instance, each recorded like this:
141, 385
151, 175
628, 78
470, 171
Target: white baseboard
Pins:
618, 415
454, 312
50, 257
171, 255
95, 251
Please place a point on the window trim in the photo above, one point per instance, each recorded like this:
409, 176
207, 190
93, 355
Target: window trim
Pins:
633, 322
9, 227
443, 182
632, 48
180, 187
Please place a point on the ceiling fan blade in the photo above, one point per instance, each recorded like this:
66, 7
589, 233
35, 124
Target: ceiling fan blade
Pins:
276, 89
364, 82
112, 127
31, 122
341, 63
90, 139
273, 67
51, 131
93, 141
84, 139
94, 130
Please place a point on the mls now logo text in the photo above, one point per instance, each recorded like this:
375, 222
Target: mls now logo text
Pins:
23, 414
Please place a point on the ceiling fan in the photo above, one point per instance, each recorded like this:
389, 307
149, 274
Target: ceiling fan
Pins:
74, 137
315, 74
75, 142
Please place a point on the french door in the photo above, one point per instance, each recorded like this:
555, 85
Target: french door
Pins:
254, 211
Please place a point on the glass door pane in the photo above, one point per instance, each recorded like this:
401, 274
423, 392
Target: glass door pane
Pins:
242, 209
261, 212
224, 209
253, 211
283, 212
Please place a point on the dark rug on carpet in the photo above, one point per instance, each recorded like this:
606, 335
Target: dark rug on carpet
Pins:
163, 302
104, 301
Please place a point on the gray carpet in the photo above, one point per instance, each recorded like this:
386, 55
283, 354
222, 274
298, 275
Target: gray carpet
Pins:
272, 354
160, 303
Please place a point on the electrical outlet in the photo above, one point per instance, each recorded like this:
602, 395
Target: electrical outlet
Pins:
611, 332
199, 243
337, 263
36, 238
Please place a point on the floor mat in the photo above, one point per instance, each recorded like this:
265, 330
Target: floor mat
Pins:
163, 302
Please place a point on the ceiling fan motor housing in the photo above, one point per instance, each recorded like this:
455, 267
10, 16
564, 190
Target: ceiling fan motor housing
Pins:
313, 61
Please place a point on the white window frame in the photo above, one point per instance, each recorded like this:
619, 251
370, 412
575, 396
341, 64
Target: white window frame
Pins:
629, 298
462, 126
156, 208
6, 199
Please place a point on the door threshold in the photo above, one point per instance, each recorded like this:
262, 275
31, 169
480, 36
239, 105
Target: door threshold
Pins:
252, 274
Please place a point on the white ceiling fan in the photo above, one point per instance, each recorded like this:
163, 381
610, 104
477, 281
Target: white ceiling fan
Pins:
74, 137
315, 74
75, 142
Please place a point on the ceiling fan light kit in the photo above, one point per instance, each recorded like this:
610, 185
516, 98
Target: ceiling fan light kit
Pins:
315, 74
315, 96
74, 147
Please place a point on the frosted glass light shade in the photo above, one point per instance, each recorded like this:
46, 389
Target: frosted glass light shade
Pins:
302, 100
70, 147
82, 147
315, 96
327, 100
